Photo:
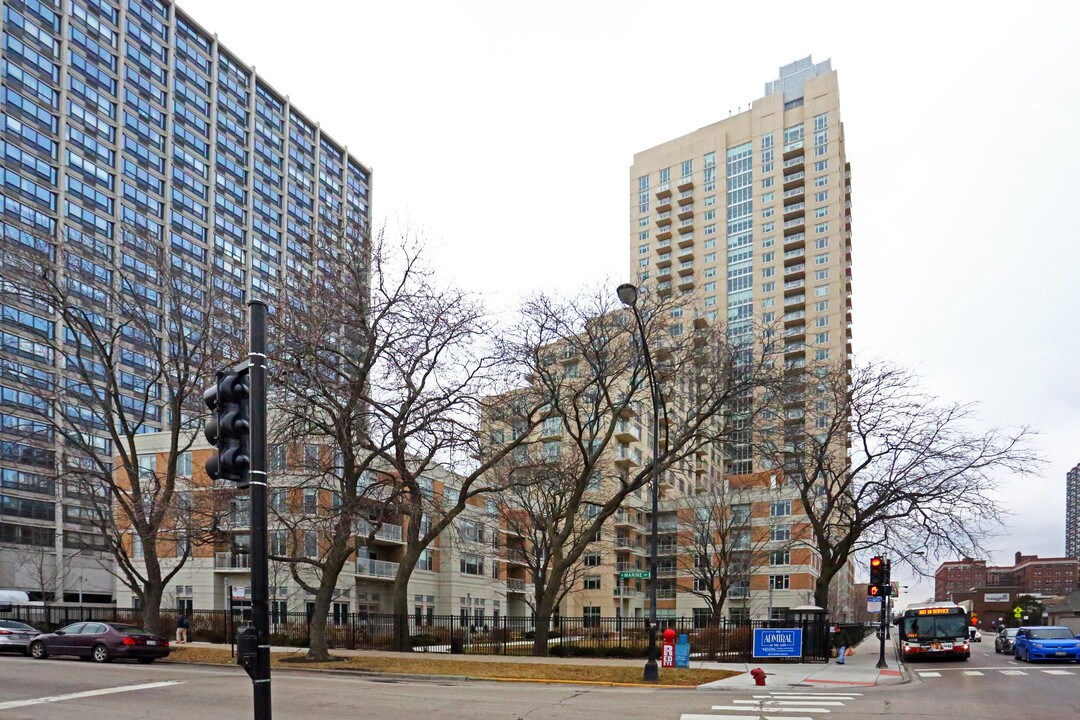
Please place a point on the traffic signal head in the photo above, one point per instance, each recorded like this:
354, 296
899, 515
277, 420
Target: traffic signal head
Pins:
873, 591
228, 429
877, 571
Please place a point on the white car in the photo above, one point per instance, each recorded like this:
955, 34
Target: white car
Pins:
974, 635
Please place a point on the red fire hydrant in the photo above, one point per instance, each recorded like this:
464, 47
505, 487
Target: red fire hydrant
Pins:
759, 676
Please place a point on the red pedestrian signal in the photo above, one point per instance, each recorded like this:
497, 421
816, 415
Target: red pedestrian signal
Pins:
873, 591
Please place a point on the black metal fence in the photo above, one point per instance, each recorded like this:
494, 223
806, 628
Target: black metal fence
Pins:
722, 641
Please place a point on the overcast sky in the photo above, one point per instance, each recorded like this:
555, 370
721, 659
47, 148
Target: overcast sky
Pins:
505, 132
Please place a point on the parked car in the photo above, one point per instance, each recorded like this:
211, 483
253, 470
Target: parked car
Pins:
15, 635
1003, 643
101, 642
974, 635
1046, 642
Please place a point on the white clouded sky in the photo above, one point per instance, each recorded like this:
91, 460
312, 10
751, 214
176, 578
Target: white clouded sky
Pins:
505, 131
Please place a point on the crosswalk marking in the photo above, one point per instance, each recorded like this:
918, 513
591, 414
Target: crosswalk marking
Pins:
823, 695
744, 708
804, 698
1013, 672
814, 701
973, 672
1058, 672
699, 716
929, 674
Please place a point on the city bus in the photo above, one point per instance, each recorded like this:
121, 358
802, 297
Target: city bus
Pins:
934, 630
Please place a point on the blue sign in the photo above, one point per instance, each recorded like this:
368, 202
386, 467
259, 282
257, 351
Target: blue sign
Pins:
682, 652
777, 642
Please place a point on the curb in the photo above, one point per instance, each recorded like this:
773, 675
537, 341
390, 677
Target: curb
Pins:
442, 678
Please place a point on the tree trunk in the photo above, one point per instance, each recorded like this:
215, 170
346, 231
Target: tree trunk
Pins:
151, 611
543, 626
400, 592
317, 647
821, 592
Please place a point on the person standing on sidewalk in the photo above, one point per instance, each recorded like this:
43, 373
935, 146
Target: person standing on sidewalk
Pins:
840, 643
182, 627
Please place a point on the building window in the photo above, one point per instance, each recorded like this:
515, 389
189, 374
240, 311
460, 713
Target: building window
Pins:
277, 456
592, 582
780, 507
311, 544
311, 457
311, 501
780, 557
592, 559
590, 616
780, 532
779, 582
183, 464
471, 564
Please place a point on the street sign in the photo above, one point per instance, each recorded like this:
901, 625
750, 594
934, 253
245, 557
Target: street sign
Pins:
634, 575
873, 604
777, 642
1017, 612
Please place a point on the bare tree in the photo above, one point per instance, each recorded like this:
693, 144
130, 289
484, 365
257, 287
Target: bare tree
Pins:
879, 463
47, 576
721, 547
388, 367
585, 367
139, 337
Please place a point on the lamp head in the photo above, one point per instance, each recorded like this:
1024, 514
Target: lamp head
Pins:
628, 294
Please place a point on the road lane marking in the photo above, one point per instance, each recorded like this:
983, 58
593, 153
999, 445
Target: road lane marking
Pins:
830, 702
744, 708
975, 673
87, 693
925, 673
1013, 672
1058, 672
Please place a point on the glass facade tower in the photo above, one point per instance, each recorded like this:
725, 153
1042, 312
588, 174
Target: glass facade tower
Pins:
126, 129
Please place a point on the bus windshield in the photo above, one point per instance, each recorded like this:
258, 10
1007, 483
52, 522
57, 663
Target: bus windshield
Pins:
935, 627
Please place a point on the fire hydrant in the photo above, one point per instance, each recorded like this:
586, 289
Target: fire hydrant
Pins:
759, 676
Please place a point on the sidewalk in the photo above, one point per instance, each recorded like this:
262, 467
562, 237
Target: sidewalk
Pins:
858, 670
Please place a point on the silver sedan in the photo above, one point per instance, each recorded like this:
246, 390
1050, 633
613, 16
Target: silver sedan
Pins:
15, 635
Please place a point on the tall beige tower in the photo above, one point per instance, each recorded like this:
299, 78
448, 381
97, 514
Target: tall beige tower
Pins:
751, 217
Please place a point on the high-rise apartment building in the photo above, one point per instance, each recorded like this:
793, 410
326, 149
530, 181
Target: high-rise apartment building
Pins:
1072, 513
748, 221
128, 130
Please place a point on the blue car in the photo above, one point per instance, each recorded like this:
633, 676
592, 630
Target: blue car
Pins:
1046, 643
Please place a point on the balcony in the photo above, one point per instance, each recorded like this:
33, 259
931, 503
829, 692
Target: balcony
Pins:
667, 547
794, 271
796, 331
667, 571
686, 183
797, 222
686, 282
627, 457
795, 192
794, 285
232, 561
664, 205
664, 273
686, 245
625, 593
626, 519
663, 289
627, 431
794, 301
684, 200
794, 254
386, 532
795, 161
625, 543
686, 268
791, 178
663, 260
380, 569
238, 520
793, 208
685, 213
517, 585
664, 233
516, 556
623, 566
665, 593
686, 226
663, 219
663, 191
796, 240
664, 244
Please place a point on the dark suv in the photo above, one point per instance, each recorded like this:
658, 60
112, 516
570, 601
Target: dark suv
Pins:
1003, 643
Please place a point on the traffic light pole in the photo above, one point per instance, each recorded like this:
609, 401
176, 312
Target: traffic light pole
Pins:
260, 607
883, 630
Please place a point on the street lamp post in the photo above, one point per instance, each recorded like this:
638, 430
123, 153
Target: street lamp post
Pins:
628, 294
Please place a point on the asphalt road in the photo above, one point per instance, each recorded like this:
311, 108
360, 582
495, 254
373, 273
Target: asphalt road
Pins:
987, 687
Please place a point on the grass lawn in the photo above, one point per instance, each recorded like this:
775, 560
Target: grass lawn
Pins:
471, 669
